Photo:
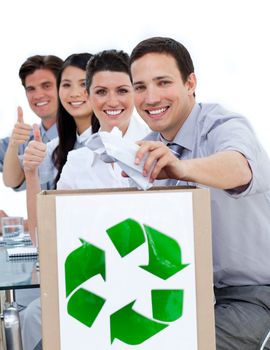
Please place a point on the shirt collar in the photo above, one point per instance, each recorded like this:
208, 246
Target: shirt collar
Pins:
82, 138
50, 134
185, 136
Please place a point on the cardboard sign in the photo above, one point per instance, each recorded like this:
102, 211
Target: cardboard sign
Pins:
126, 269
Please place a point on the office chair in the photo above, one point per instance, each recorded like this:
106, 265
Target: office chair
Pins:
265, 341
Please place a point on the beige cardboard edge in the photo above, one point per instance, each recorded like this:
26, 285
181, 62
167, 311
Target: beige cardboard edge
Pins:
48, 271
49, 274
204, 270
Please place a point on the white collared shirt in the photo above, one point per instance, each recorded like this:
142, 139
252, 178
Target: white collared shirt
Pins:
84, 169
47, 170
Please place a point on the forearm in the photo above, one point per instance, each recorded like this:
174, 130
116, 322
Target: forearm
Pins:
13, 174
32, 189
224, 170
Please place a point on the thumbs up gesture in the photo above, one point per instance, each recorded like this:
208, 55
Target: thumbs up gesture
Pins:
21, 130
35, 151
36, 131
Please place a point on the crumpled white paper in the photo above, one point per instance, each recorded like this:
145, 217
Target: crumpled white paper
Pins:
85, 169
112, 147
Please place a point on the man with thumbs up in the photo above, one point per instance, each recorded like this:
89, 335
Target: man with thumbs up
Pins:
38, 75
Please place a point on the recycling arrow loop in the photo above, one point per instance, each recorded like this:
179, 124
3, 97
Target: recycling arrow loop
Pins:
165, 257
165, 260
82, 264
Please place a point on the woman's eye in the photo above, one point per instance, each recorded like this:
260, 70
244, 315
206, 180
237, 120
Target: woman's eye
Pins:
123, 91
101, 92
65, 85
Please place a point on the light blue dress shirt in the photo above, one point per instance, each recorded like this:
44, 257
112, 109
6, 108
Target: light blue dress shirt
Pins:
240, 221
3, 148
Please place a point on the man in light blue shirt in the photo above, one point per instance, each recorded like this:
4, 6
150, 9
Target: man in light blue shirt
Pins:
38, 75
219, 151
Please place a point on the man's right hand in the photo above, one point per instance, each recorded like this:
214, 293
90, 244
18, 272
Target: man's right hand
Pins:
21, 131
159, 161
35, 152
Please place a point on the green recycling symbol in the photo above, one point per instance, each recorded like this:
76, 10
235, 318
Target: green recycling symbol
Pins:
87, 261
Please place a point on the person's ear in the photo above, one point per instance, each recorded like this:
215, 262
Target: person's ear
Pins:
191, 83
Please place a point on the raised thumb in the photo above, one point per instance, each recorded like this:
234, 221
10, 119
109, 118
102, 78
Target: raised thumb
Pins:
20, 114
36, 131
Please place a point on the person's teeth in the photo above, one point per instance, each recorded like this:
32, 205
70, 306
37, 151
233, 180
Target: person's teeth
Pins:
116, 112
40, 104
78, 103
157, 111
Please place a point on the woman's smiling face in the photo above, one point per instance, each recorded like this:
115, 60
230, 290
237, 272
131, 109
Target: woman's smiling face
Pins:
72, 93
111, 96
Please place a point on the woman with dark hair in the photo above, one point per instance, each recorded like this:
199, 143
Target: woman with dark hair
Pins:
108, 83
111, 98
75, 122
71, 120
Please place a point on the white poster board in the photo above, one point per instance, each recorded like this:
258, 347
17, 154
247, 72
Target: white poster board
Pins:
144, 294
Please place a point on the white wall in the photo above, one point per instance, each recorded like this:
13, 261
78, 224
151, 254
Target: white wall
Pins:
227, 39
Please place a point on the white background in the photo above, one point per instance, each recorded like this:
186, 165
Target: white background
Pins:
228, 40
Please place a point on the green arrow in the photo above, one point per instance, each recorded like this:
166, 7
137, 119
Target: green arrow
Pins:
126, 236
167, 305
165, 257
82, 264
85, 306
131, 327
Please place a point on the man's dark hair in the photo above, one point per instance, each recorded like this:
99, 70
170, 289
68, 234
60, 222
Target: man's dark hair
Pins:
107, 60
50, 62
165, 46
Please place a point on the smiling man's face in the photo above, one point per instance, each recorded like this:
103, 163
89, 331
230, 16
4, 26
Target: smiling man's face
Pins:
162, 99
41, 92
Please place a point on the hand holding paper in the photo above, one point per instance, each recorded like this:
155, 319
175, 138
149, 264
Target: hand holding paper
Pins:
112, 147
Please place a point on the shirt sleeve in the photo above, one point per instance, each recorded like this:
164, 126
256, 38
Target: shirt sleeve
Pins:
21, 150
236, 134
47, 170
3, 148
76, 172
